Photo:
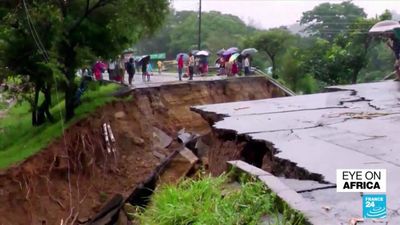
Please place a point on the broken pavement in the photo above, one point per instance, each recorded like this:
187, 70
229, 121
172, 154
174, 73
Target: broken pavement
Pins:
356, 126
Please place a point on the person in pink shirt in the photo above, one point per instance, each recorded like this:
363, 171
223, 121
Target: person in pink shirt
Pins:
180, 67
98, 69
235, 68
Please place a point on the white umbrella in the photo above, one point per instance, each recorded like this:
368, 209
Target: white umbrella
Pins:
249, 51
384, 26
204, 53
184, 55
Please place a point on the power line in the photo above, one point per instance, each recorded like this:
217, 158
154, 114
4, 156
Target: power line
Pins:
36, 38
42, 49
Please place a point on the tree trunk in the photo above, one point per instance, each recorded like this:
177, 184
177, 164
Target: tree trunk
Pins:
70, 98
70, 90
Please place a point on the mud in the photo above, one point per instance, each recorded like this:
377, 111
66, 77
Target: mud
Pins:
75, 176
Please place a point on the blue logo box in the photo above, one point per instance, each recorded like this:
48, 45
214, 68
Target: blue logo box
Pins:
374, 206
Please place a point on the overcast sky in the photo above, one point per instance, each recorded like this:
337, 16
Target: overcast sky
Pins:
274, 13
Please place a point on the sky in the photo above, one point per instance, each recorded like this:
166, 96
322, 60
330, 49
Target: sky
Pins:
274, 13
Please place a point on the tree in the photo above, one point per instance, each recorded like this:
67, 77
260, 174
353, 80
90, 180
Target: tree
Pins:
179, 34
82, 29
357, 45
328, 20
21, 57
272, 42
294, 73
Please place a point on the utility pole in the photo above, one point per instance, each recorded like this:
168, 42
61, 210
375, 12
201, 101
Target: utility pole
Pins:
199, 42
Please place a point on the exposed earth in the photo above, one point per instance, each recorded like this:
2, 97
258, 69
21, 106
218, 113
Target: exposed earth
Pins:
75, 175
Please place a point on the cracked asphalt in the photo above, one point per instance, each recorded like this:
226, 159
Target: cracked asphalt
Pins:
356, 126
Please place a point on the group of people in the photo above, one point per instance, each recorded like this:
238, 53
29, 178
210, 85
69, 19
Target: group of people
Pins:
192, 65
235, 67
116, 69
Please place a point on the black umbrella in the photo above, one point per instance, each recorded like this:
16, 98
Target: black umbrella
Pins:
144, 59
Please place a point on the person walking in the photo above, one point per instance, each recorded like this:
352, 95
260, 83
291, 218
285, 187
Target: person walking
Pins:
191, 66
120, 69
111, 69
149, 71
246, 65
221, 66
130, 68
239, 62
180, 67
159, 66
144, 70
394, 44
235, 68
98, 69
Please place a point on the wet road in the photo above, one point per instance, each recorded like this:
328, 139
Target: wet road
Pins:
163, 78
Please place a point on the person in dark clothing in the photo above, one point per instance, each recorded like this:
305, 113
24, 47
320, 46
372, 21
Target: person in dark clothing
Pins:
144, 70
130, 68
394, 44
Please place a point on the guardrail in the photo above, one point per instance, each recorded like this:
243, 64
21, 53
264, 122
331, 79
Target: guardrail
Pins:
275, 82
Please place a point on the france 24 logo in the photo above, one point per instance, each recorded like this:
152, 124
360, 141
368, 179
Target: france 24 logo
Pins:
374, 206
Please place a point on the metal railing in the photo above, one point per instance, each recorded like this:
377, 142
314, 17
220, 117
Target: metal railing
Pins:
275, 82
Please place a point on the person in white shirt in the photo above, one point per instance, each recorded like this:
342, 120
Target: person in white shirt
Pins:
191, 66
246, 65
111, 70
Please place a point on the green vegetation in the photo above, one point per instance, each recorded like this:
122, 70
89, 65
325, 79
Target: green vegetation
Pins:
332, 53
328, 20
46, 42
333, 49
19, 139
209, 201
3, 105
179, 34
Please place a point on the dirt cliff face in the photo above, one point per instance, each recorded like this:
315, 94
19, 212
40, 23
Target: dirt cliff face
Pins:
73, 177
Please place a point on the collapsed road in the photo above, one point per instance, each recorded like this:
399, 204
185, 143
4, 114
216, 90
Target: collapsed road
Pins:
76, 180
304, 139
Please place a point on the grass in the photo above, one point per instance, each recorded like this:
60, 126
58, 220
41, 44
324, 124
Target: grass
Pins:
3, 105
19, 139
203, 201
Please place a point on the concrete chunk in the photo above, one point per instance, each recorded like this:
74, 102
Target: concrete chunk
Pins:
251, 170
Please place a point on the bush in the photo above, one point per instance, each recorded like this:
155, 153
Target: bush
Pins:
307, 84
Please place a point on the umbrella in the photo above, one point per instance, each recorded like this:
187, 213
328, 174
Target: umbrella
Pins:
220, 52
145, 58
185, 56
230, 51
194, 52
234, 57
233, 49
249, 51
204, 53
384, 26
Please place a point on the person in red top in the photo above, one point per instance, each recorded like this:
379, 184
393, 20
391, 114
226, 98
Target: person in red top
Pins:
98, 68
235, 68
180, 67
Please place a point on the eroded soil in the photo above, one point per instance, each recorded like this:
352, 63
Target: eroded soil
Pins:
75, 175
